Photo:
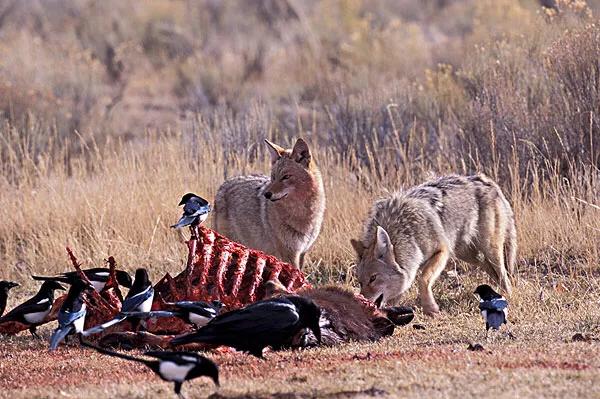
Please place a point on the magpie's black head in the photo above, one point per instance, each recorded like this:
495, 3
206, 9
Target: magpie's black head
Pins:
78, 287
186, 198
7, 285
51, 285
486, 292
141, 279
217, 304
123, 278
310, 314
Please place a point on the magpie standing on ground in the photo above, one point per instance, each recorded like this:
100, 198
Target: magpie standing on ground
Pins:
71, 316
98, 276
198, 313
272, 322
195, 210
33, 311
175, 367
138, 299
493, 307
5, 286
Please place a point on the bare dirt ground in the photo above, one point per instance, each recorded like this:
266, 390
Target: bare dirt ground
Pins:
538, 358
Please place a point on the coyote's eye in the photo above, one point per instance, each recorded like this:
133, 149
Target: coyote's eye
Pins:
373, 277
285, 177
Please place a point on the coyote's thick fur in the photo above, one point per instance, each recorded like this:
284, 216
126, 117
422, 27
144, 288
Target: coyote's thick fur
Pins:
467, 217
281, 215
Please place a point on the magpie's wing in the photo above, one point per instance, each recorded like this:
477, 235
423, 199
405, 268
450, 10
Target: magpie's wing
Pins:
496, 304
131, 303
257, 320
198, 307
196, 207
177, 357
32, 305
67, 318
184, 221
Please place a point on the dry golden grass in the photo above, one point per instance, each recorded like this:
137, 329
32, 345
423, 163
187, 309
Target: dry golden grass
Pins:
95, 153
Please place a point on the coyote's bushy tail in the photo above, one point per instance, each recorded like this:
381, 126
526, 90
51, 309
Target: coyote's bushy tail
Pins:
510, 249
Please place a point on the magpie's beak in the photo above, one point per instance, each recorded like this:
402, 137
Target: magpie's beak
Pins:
12, 285
379, 300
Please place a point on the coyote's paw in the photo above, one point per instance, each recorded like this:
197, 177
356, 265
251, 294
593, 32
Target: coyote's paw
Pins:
431, 309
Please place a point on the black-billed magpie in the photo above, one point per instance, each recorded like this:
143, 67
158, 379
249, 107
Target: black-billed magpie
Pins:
5, 286
175, 367
98, 276
198, 313
138, 299
272, 322
71, 316
493, 307
195, 210
33, 311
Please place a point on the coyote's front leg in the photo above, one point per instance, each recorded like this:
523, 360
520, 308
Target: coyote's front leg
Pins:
431, 271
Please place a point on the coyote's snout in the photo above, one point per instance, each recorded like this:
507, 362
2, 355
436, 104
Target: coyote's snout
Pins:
463, 216
281, 215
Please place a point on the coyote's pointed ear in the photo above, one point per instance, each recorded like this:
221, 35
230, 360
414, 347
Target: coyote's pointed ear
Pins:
301, 153
276, 151
358, 247
383, 245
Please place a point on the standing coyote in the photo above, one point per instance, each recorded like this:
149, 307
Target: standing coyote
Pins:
281, 215
463, 216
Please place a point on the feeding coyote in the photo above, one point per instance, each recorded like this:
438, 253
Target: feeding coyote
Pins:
281, 215
467, 217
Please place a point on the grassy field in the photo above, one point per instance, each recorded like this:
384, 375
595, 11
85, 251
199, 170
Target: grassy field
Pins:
111, 111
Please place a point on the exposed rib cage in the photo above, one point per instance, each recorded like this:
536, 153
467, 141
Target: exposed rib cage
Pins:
221, 269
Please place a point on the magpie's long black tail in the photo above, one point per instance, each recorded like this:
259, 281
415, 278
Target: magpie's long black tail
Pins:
112, 353
98, 329
60, 279
154, 313
6, 318
195, 337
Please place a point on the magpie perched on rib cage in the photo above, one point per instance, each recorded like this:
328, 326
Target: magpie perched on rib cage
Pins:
175, 367
493, 307
271, 322
5, 286
33, 312
195, 210
98, 276
138, 299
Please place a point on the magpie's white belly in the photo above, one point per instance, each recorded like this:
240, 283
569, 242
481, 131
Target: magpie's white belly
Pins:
78, 324
34, 318
199, 321
174, 372
146, 305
